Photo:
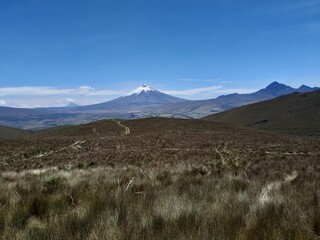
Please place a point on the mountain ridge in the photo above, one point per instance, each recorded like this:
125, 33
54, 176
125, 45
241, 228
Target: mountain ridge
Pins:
141, 103
201, 108
295, 112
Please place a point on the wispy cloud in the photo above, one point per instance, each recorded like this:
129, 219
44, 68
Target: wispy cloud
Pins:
45, 91
312, 27
235, 90
307, 11
213, 90
69, 100
199, 80
194, 91
31, 97
297, 8
301, 5
301, 29
294, 8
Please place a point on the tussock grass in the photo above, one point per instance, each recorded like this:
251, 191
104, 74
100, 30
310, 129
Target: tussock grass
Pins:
178, 203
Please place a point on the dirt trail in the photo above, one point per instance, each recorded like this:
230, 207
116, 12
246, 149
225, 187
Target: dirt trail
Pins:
127, 130
75, 146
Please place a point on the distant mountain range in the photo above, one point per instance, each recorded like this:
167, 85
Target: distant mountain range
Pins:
292, 113
201, 108
16, 112
142, 102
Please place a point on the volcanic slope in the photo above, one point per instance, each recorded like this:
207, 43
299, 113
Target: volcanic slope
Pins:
158, 143
143, 96
297, 113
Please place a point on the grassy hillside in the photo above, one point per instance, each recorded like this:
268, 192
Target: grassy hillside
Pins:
8, 132
294, 113
158, 142
159, 179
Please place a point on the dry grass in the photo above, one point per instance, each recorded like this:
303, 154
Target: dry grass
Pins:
131, 203
167, 179
164, 142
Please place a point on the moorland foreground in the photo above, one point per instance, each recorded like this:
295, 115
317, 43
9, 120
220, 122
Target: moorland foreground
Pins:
159, 179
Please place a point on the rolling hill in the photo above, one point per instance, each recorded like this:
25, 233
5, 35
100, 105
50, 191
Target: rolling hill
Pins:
293, 113
8, 132
149, 142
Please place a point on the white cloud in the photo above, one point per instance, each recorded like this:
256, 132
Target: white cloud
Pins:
45, 91
69, 100
63, 102
235, 90
36, 102
32, 97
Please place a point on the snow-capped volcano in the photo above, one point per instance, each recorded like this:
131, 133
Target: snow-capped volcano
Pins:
144, 88
145, 96
141, 97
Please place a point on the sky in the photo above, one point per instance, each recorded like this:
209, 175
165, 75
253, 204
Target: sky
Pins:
54, 52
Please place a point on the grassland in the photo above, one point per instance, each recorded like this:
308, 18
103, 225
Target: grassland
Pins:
163, 179
132, 203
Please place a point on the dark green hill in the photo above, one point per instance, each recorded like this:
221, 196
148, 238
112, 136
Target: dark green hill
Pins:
297, 113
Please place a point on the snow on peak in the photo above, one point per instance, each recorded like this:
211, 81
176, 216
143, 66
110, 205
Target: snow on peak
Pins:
144, 88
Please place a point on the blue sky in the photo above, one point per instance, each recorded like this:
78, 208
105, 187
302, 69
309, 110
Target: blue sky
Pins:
53, 51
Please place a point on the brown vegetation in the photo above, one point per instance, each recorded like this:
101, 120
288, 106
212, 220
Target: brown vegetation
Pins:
296, 113
132, 203
163, 179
